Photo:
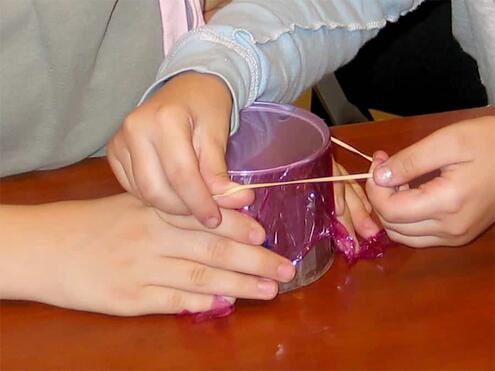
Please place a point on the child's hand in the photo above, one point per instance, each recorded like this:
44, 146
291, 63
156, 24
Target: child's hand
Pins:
115, 255
352, 206
170, 152
454, 207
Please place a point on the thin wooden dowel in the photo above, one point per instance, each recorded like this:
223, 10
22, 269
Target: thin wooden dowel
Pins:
351, 148
339, 178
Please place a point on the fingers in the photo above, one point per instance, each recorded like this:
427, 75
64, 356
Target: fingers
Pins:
154, 189
353, 242
412, 205
235, 226
166, 300
357, 189
200, 278
120, 160
362, 195
338, 191
180, 165
237, 200
413, 217
422, 228
219, 252
361, 220
356, 206
437, 150
213, 167
172, 149
415, 241
119, 172
427, 233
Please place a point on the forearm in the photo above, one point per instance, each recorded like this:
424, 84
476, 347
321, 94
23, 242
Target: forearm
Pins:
272, 50
21, 243
34, 241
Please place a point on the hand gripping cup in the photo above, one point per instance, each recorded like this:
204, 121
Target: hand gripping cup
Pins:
282, 143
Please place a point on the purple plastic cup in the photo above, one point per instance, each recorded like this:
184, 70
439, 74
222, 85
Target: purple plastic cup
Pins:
281, 143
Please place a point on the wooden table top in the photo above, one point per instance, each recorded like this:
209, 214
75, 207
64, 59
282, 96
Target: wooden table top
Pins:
413, 309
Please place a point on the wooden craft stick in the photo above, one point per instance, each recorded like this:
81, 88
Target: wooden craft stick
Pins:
338, 178
351, 148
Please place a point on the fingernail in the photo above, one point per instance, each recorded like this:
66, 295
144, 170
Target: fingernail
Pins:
212, 222
384, 175
285, 272
267, 288
256, 236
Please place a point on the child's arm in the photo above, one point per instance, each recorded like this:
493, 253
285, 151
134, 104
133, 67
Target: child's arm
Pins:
114, 255
454, 207
170, 151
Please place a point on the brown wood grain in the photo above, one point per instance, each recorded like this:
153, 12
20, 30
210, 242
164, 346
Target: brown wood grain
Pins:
413, 309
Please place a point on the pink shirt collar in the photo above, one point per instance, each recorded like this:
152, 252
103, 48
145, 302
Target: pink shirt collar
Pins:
174, 19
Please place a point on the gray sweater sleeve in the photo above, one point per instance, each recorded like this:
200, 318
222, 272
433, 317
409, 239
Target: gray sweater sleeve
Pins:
273, 50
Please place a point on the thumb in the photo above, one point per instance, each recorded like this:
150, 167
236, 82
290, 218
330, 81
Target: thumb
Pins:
213, 167
431, 153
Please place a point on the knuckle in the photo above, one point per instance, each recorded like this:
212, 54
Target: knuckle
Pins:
170, 112
179, 174
457, 230
150, 191
129, 126
460, 240
175, 301
111, 147
199, 275
264, 262
454, 201
217, 250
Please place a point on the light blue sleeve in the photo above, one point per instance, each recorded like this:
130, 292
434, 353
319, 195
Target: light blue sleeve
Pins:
273, 50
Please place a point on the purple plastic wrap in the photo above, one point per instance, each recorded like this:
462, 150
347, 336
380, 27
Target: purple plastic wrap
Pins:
221, 307
371, 248
278, 143
282, 143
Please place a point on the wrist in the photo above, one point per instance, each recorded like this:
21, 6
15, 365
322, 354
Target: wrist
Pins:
212, 84
21, 264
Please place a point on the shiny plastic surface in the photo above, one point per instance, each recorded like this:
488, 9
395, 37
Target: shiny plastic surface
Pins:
282, 143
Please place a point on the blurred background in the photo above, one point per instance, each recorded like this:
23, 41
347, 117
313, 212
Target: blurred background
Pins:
413, 67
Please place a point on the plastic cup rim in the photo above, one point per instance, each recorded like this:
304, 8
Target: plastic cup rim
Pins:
303, 115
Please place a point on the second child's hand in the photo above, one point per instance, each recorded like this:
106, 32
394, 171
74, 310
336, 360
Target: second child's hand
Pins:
170, 151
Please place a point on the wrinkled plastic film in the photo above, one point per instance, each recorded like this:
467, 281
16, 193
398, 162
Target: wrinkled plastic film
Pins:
220, 307
295, 217
370, 248
282, 143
